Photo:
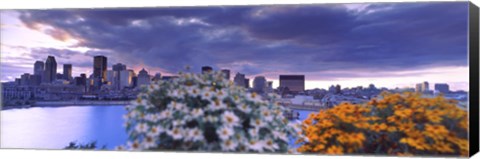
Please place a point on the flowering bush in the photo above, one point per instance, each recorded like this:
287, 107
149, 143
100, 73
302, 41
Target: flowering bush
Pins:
397, 124
206, 112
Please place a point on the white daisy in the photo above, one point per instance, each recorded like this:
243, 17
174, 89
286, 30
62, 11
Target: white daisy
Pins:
193, 91
165, 114
245, 108
255, 145
152, 117
211, 119
176, 133
134, 145
176, 93
141, 128
296, 125
176, 106
221, 94
207, 94
267, 115
149, 142
280, 135
195, 134
253, 132
197, 112
155, 131
217, 105
258, 123
254, 97
225, 132
230, 119
270, 145
229, 145
178, 122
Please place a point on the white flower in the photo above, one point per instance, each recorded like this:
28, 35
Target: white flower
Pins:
210, 118
229, 145
270, 145
217, 105
254, 97
155, 131
149, 142
193, 91
255, 145
280, 135
176, 106
134, 145
176, 93
296, 125
221, 94
195, 134
245, 108
152, 117
165, 114
253, 132
257, 123
225, 132
267, 115
197, 112
176, 133
230, 119
207, 94
141, 128
178, 122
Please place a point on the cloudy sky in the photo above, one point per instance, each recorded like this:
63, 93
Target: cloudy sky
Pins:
387, 44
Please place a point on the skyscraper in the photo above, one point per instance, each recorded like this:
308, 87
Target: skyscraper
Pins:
295, 83
206, 69
38, 68
67, 71
259, 84
117, 68
226, 73
125, 79
50, 73
239, 80
100, 67
143, 78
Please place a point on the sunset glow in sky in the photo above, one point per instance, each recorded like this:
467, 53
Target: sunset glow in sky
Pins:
387, 44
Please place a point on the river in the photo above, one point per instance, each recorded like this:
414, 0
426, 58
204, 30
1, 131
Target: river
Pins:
56, 127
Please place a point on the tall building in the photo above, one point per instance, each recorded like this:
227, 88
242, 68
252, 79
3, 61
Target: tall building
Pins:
25, 79
125, 79
239, 80
247, 83
294, 83
442, 87
143, 78
422, 87
119, 67
259, 84
425, 87
100, 67
67, 71
157, 77
111, 77
38, 68
226, 74
50, 73
206, 69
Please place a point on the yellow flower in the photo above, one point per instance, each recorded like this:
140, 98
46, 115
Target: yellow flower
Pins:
378, 127
335, 150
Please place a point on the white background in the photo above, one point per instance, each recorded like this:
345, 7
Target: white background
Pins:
67, 154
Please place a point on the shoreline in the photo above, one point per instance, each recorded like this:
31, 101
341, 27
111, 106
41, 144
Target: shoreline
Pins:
42, 104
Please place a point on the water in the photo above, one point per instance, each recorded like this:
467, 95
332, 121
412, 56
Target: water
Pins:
56, 127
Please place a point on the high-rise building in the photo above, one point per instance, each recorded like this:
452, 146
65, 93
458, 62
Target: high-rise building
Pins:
119, 67
226, 74
25, 79
35, 80
206, 69
100, 67
422, 87
247, 83
143, 78
425, 87
125, 79
442, 87
38, 68
239, 80
259, 84
294, 83
50, 73
111, 76
67, 71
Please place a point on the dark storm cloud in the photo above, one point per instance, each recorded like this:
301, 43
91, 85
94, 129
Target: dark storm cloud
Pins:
287, 38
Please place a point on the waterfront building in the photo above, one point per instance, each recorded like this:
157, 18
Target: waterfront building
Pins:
226, 74
143, 78
119, 67
35, 80
99, 71
442, 88
259, 84
422, 87
295, 83
67, 72
239, 80
125, 79
25, 79
50, 73
38, 68
206, 69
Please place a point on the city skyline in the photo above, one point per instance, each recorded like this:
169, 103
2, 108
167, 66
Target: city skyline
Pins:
346, 44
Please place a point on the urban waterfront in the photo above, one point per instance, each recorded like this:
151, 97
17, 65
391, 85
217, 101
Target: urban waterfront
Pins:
56, 127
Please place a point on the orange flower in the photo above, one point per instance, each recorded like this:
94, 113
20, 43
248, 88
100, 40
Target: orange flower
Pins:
378, 127
335, 150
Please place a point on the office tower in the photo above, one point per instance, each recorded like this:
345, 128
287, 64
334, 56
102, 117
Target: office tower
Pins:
111, 76
38, 68
442, 87
338, 89
259, 84
25, 79
247, 83
143, 78
425, 87
67, 72
59, 76
206, 69
226, 74
35, 80
100, 67
294, 83
125, 79
50, 73
119, 67
239, 80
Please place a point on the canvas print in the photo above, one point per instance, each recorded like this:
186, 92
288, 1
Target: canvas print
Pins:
388, 79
